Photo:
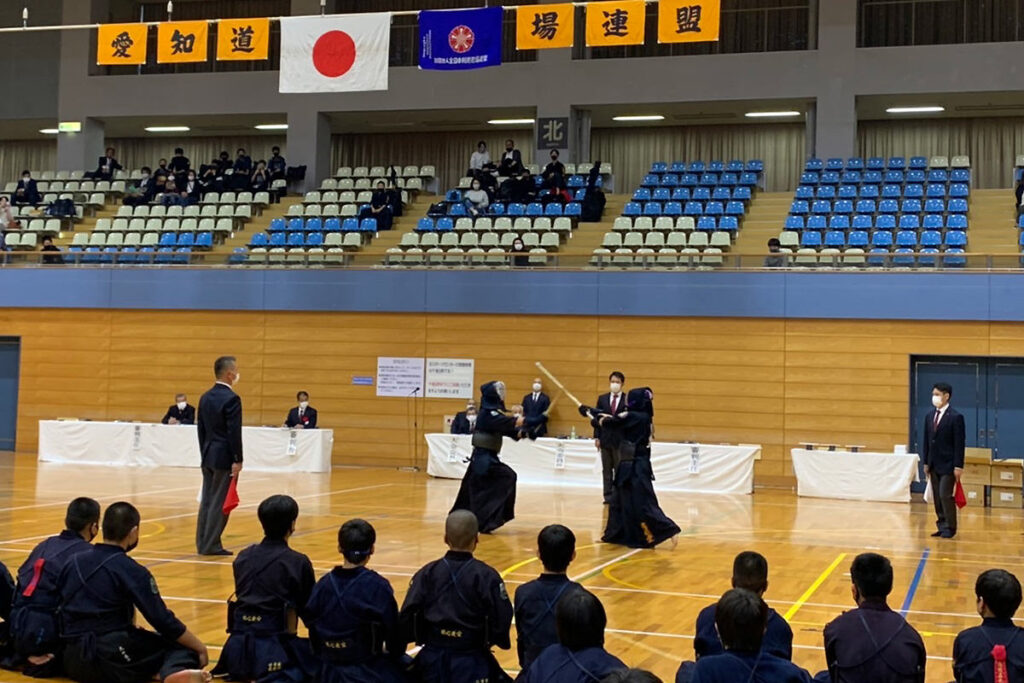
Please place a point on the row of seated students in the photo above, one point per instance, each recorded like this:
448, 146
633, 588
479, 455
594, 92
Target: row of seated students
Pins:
71, 612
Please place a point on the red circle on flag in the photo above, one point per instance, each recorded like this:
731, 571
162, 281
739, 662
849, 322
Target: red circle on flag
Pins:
461, 39
334, 53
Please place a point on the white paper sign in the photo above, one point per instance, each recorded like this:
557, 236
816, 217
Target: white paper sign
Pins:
400, 377
449, 378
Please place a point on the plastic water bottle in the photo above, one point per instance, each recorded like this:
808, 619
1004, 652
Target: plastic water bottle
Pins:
572, 432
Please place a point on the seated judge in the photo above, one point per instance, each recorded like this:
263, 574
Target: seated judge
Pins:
105, 167
26, 192
301, 416
181, 413
465, 420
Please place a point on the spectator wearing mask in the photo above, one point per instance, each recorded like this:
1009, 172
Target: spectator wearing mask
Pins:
276, 166
179, 166
181, 413
775, 259
558, 193
465, 420
379, 207
172, 195
143, 191
49, 257
998, 597
302, 416
519, 187
554, 172
242, 170
519, 253
476, 199
27, 192
260, 181
480, 159
511, 160
161, 174
106, 166
537, 403
192, 191
7, 219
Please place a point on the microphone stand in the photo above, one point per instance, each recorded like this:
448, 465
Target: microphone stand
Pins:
414, 435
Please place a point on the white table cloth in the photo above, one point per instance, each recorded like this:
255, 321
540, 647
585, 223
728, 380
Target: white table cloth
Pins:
882, 477
575, 462
266, 449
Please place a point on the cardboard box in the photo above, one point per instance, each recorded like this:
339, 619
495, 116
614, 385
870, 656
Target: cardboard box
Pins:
1003, 497
975, 494
978, 456
1008, 473
976, 474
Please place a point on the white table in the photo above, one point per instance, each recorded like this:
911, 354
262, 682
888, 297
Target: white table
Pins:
575, 462
133, 444
882, 477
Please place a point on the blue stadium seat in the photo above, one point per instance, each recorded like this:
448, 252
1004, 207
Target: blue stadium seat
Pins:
631, 209
834, 164
708, 179
674, 209
237, 256
748, 179
722, 194
910, 206
735, 208
755, 165
855, 164
809, 178
580, 195
729, 223
847, 192
333, 225
164, 255
729, 180
742, 194
186, 239
805, 192
869, 192
573, 209
893, 177
830, 178
885, 222
519, 209
818, 222
826, 192
204, 240
575, 182
651, 180
707, 223
425, 224
695, 167
881, 239
693, 209
352, 224
714, 209
734, 166
932, 221
799, 208
453, 196
497, 208
872, 177
954, 261
260, 239
370, 225
796, 223
915, 177
821, 206
843, 206
688, 180
680, 194
314, 225
296, 225
857, 239
839, 222
938, 175
534, 209
956, 221
642, 194
296, 239
444, 224
878, 261
866, 206
182, 255
659, 167
926, 258
814, 165
277, 225
851, 177
669, 180
315, 239
861, 222
931, 239
959, 190
918, 163
660, 194
934, 206
956, 238
652, 209
960, 175
678, 167
1020, 221
835, 239
904, 258
892, 192
553, 209
717, 166
278, 239
957, 205
888, 206
810, 239
914, 191
701, 194
875, 164
906, 238
899, 163
168, 239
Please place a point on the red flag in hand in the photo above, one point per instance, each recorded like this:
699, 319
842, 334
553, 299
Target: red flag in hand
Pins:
959, 497
231, 499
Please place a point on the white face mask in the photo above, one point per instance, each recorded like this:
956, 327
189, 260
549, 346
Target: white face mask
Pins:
936, 401
471, 417
536, 387
303, 404
615, 387
238, 377
182, 405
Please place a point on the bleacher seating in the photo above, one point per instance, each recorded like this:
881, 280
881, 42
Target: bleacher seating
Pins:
898, 207
347, 178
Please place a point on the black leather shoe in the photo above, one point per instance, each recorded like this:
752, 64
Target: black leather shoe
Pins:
947, 534
936, 534
223, 552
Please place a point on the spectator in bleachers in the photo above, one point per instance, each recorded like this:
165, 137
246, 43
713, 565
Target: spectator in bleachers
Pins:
1019, 193
105, 167
379, 207
7, 219
242, 170
260, 180
579, 654
49, 257
143, 191
27, 192
173, 196
180, 165
223, 163
160, 175
192, 190
276, 165
872, 643
593, 199
395, 197
511, 160
975, 651
554, 172
558, 193
479, 160
476, 199
519, 254
775, 259
519, 187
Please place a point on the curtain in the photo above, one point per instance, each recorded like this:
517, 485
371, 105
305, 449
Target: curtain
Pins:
139, 152
35, 155
631, 150
885, 23
449, 152
991, 143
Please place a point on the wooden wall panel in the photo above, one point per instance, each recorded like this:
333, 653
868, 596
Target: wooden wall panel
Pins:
772, 382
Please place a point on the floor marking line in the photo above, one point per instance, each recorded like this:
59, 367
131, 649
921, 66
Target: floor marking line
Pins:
590, 574
813, 587
914, 583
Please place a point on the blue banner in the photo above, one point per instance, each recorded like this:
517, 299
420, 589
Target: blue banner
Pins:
460, 39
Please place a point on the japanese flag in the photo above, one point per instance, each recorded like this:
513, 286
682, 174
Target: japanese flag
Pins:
340, 53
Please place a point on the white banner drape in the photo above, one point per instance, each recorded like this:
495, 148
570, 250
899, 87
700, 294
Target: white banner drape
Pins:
882, 477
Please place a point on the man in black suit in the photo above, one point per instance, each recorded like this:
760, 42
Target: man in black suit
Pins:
220, 444
302, 416
181, 413
942, 450
465, 420
537, 403
105, 167
612, 403
511, 160
27, 192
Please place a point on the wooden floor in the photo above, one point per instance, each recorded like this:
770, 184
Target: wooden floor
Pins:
652, 597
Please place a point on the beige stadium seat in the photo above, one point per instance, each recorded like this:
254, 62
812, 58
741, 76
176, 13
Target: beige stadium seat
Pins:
409, 239
470, 240
345, 184
414, 184
256, 257
676, 240
643, 224
333, 239
549, 241
623, 224
464, 224
685, 223
360, 172
789, 239
489, 240
523, 224
336, 256
1020, 161
712, 257
961, 161
501, 224
353, 241
667, 258
612, 240
538, 257
315, 257
806, 258
455, 258
115, 239
429, 240
409, 171
362, 184
427, 172
622, 258
449, 240
562, 226
644, 258
698, 240
633, 240
600, 258
721, 240
654, 240
482, 224
496, 258
96, 239
664, 224
854, 258
102, 225
435, 256
343, 172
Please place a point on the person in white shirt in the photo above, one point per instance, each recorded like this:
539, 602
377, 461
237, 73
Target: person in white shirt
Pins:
7, 219
476, 199
537, 403
612, 403
480, 159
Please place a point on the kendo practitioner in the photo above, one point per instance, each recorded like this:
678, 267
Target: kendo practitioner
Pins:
749, 571
488, 488
579, 656
6, 599
634, 517
997, 644
100, 589
457, 609
34, 633
272, 587
353, 617
873, 643
535, 601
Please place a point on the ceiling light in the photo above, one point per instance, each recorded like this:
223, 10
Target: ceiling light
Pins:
272, 126
510, 122
167, 129
48, 131
640, 117
914, 110
769, 114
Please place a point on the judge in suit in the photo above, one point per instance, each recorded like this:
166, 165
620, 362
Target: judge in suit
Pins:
511, 160
219, 426
465, 420
942, 451
181, 413
612, 403
105, 167
537, 403
26, 192
302, 416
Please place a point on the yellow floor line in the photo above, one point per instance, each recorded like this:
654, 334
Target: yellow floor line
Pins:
813, 587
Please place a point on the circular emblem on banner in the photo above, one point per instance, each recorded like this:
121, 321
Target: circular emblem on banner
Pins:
461, 39
334, 53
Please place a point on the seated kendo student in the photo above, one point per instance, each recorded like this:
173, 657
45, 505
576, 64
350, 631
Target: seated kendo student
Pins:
464, 420
741, 617
34, 633
749, 571
457, 609
302, 416
535, 601
997, 644
100, 589
353, 617
579, 656
272, 588
6, 598
181, 413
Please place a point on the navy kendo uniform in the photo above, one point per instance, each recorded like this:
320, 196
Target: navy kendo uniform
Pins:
778, 640
873, 643
753, 667
457, 608
100, 590
353, 626
559, 664
34, 630
535, 614
972, 651
6, 598
272, 587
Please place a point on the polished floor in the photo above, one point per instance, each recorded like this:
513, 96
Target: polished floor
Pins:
652, 596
